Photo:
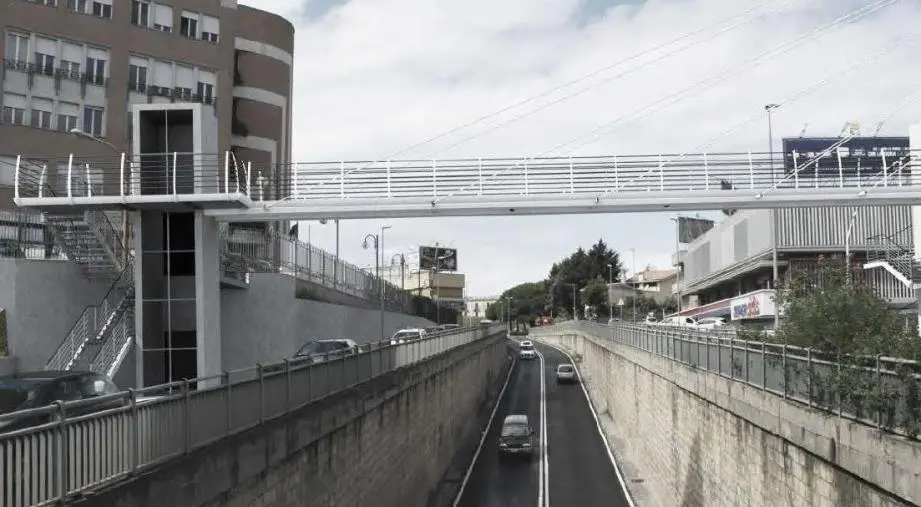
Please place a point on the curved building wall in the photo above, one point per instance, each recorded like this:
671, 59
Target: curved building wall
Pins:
263, 86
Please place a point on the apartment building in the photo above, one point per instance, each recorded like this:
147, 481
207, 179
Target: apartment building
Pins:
81, 64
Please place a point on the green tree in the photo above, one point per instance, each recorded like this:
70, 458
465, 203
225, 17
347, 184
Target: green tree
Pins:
832, 311
526, 301
576, 271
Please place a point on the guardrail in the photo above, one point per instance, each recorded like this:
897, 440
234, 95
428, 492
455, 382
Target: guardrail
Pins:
45, 464
792, 372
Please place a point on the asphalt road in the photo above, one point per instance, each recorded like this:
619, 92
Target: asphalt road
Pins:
579, 471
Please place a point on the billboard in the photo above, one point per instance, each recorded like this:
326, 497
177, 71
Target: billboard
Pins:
865, 155
437, 258
690, 229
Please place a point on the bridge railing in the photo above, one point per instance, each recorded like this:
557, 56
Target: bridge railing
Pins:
73, 451
795, 373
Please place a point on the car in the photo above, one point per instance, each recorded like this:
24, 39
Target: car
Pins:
565, 373
516, 437
527, 343
318, 351
408, 335
449, 327
711, 322
527, 351
36, 389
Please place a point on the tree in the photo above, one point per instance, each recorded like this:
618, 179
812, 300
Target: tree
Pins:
576, 271
526, 301
833, 312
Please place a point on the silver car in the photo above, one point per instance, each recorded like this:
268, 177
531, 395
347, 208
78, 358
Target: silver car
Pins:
327, 350
566, 373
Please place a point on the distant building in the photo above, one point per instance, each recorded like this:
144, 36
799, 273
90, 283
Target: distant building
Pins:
655, 283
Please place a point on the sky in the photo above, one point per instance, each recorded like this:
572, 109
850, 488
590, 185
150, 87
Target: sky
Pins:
373, 77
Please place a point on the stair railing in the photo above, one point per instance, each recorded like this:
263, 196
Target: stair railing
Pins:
116, 346
92, 321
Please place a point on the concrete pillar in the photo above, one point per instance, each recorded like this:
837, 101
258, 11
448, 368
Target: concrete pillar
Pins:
208, 295
914, 143
135, 221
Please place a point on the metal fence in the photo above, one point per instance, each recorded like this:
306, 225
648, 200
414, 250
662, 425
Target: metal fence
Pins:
794, 373
45, 464
26, 235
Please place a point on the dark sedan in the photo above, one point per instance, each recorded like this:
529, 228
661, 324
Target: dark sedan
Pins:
29, 390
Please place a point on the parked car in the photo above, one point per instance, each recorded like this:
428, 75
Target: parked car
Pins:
326, 350
408, 335
517, 437
28, 390
566, 373
711, 322
449, 327
526, 350
679, 321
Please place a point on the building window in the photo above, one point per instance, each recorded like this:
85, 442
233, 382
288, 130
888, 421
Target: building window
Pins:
17, 47
77, 6
69, 68
49, 3
14, 109
163, 18
210, 28
137, 78
140, 13
92, 120
182, 93
102, 9
206, 92
41, 119
44, 64
66, 122
95, 71
189, 25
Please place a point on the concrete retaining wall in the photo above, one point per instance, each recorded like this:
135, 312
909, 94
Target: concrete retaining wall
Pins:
689, 438
387, 442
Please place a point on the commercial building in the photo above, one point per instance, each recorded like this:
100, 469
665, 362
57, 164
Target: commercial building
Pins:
82, 64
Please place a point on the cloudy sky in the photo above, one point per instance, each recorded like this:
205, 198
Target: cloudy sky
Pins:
376, 76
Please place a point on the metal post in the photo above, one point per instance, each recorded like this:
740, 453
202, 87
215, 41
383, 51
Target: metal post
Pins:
380, 284
677, 262
774, 267
610, 281
633, 250
336, 269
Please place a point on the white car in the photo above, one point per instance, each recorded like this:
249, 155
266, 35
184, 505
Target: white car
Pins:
408, 335
711, 322
679, 321
527, 350
565, 373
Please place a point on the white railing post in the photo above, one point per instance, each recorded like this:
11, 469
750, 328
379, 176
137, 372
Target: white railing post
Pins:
706, 173
859, 180
175, 159
294, 189
526, 177
70, 170
616, 175
572, 185
42, 179
840, 169
434, 179
227, 171
89, 182
249, 180
795, 169
389, 188
885, 170
751, 171
342, 179
16, 179
661, 173
121, 176
480, 175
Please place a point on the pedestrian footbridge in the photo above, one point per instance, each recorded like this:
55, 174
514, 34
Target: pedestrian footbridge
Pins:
233, 190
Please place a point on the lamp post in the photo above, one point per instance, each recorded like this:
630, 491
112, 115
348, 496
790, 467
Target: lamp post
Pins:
86, 135
847, 241
677, 221
768, 108
774, 269
336, 268
393, 261
573, 286
377, 269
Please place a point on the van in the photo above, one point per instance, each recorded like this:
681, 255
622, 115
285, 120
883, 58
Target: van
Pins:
517, 437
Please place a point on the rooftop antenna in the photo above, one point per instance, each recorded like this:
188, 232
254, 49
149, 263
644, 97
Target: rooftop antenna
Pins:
879, 126
802, 133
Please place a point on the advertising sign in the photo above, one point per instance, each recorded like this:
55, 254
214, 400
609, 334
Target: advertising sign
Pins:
690, 229
437, 258
754, 305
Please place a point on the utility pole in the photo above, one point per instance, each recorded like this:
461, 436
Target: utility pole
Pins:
610, 299
377, 269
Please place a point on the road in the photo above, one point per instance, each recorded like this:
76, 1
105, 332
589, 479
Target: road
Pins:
578, 469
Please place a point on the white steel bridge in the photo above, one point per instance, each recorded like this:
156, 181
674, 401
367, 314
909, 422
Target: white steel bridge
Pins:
233, 191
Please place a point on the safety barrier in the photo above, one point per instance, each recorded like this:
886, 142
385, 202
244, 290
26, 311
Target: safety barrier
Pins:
48, 463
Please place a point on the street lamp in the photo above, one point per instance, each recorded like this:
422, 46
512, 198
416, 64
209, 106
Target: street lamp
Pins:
573, 300
677, 221
847, 241
393, 261
377, 269
775, 271
768, 108
86, 135
336, 270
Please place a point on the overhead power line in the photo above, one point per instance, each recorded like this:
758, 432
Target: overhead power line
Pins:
577, 142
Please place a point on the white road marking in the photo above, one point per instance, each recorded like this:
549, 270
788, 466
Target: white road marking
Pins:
476, 455
591, 406
543, 496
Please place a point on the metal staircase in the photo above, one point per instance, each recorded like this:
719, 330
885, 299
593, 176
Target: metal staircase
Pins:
891, 253
103, 330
